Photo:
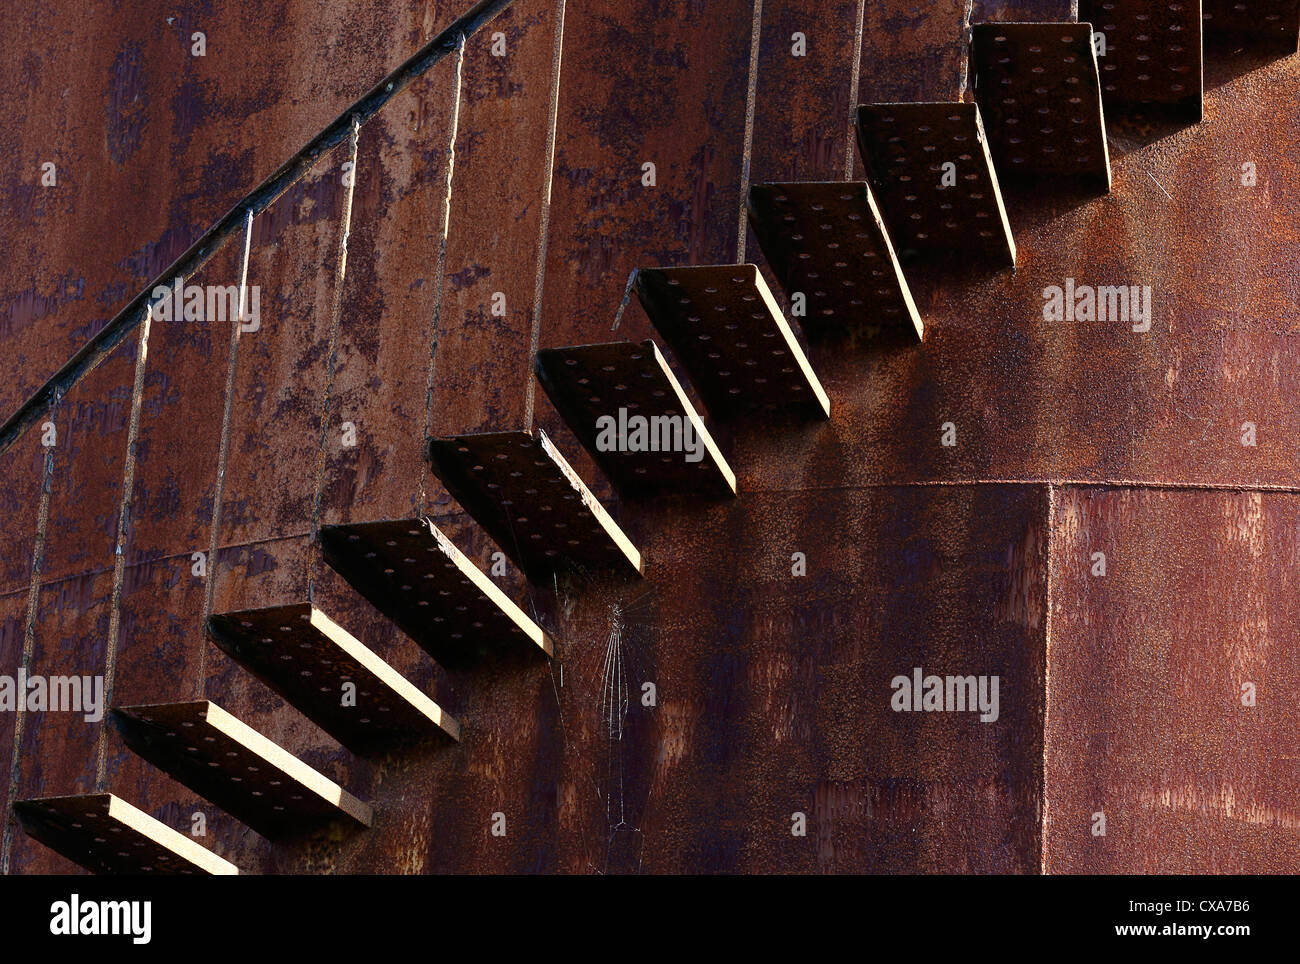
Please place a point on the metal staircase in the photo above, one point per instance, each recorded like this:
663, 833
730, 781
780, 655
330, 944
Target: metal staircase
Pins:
840, 251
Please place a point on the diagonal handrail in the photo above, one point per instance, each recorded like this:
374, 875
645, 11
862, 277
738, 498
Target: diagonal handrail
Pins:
256, 201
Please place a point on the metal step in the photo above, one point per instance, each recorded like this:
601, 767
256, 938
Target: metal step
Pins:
826, 242
1152, 53
309, 660
930, 167
236, 768
1271, 23
624, 405
412, 573
1038, 90
106, 835
727, 331
524, 494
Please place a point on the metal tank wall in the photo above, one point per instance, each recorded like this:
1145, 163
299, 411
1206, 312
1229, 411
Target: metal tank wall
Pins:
1119, 694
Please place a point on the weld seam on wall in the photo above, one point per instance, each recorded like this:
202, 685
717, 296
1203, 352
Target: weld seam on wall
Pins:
331, 360
627, 296
440, 269
1239, 487
855, 81
544, 233
751, 100
1047, 676
966, 15
223, 453
119, 549
29, 647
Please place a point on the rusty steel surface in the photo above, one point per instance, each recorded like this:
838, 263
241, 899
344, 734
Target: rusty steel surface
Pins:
1169, 709
858, 549
150, 132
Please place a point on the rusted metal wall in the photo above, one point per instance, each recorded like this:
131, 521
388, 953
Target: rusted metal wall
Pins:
774, 689
152, 144
1171, 708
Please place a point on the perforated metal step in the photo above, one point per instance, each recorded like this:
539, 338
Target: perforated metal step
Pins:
827, 243
106, 835
332, 679
1152, 52
412, 573
236, 768
520, 489
1272, 23
1038, 89
930, 167
726, 329
628, 410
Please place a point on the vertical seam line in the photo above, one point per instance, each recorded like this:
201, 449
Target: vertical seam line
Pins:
440, 269
553, 113
966, 28
751, 98
627, 296
119, 549
29, 645
1047, 675
854, 94
223, 453
331, 362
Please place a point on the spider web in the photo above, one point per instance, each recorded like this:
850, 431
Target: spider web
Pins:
602, 673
